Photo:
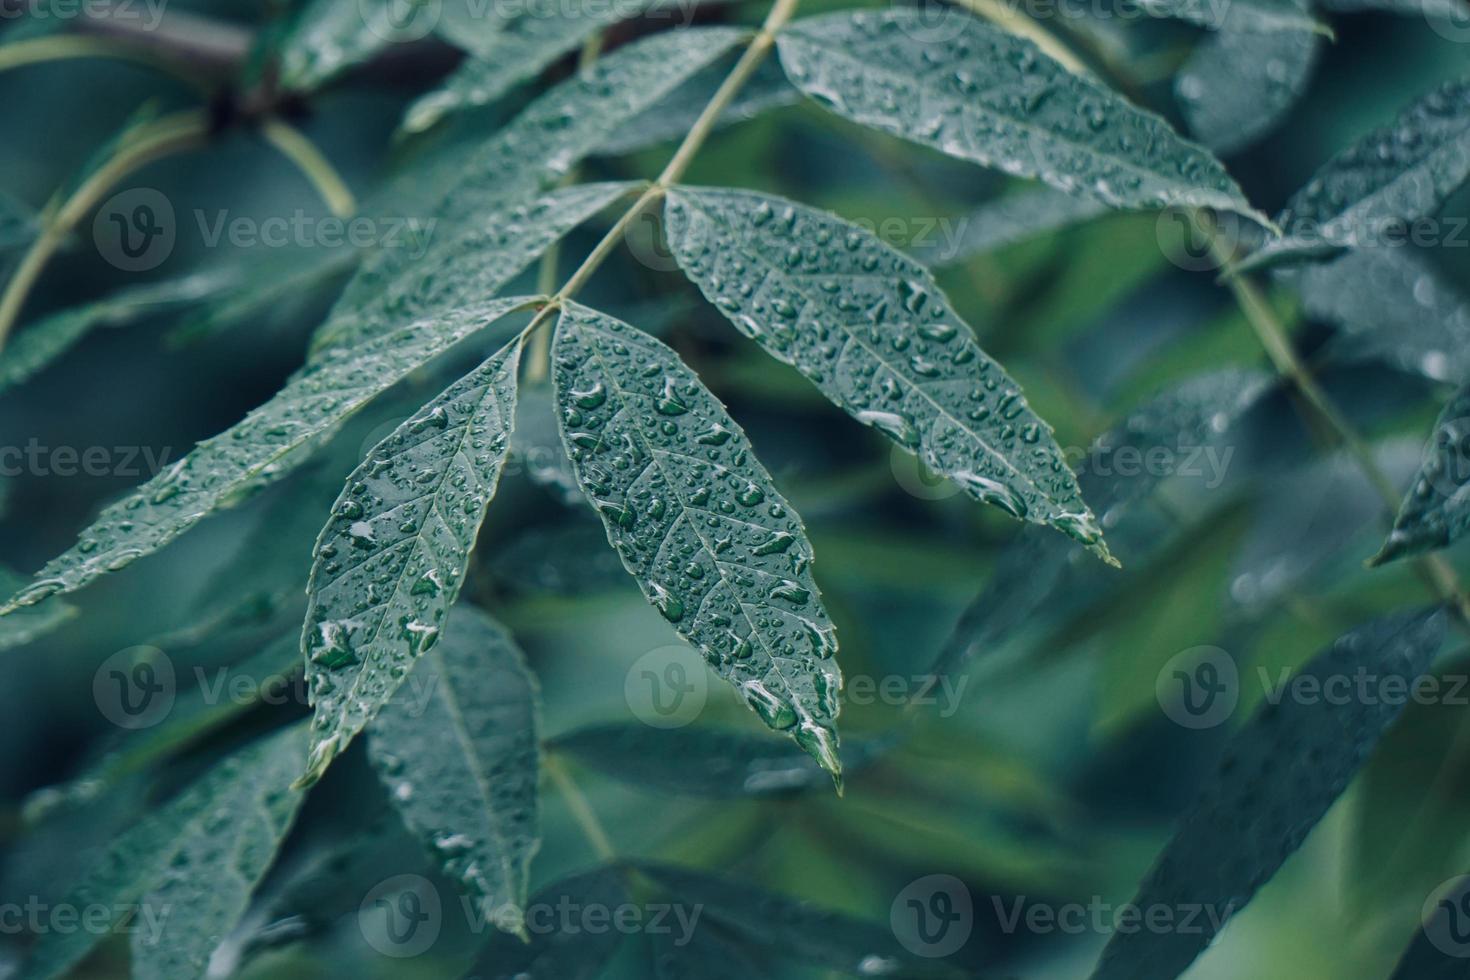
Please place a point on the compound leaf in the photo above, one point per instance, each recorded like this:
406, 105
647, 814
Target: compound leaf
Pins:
993, 98
697, 521
189, 867
1279, 775
1436, 510
392, 559
870, 328
255, 450
458, 748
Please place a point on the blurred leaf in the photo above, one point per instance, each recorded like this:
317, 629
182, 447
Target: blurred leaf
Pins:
1249, 18
1237, 87
702, 955
254, 450
739, 588
1392, 307
559, 949
187, 869
706, 762
909, 366
993, 98
330, 36
458, 747
393, 556
1010, 219
1436, 510
1280, 774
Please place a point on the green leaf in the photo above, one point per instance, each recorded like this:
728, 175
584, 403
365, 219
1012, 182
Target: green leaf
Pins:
790, 927
516, 50
697, 521
703, 954
1237, 86
870, 328
1393, 307
188, 868
1008, 220
990, 97
1366, 195
462, 269
459, 749
330, 36
392, 559
28, 625
1436, 510
255, 451
705, 762
1246, 17
1039, 572
559, 948
1279, 775
38, 345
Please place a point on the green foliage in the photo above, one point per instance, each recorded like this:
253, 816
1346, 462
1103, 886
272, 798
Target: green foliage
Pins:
423, 448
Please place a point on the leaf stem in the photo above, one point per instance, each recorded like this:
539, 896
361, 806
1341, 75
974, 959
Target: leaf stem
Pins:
63, 47
313, 164
582, 811
160, 138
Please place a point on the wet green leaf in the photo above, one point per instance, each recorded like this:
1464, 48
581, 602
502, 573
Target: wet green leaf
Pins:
870, 328
1279, 775
1366, 195
188, 868
1436, 510
990, 97
698, 522
458, 748
392, 559
255, 450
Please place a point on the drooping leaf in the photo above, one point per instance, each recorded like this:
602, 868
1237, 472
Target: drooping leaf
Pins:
1246, 17
792, 928
990, 97
392, 558
1280, 774
37, 345
253, 451
1237, 86
458, 747
1436, 510
187, 868
519, 48
701, 761
1040, 569
1366, 194
673, 117
28, 625
459, 270
870, 328
1392, 307
698, 522
1008, 220
558, 949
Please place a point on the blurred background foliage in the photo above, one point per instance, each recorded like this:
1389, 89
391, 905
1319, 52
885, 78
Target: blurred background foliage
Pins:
1056, 776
